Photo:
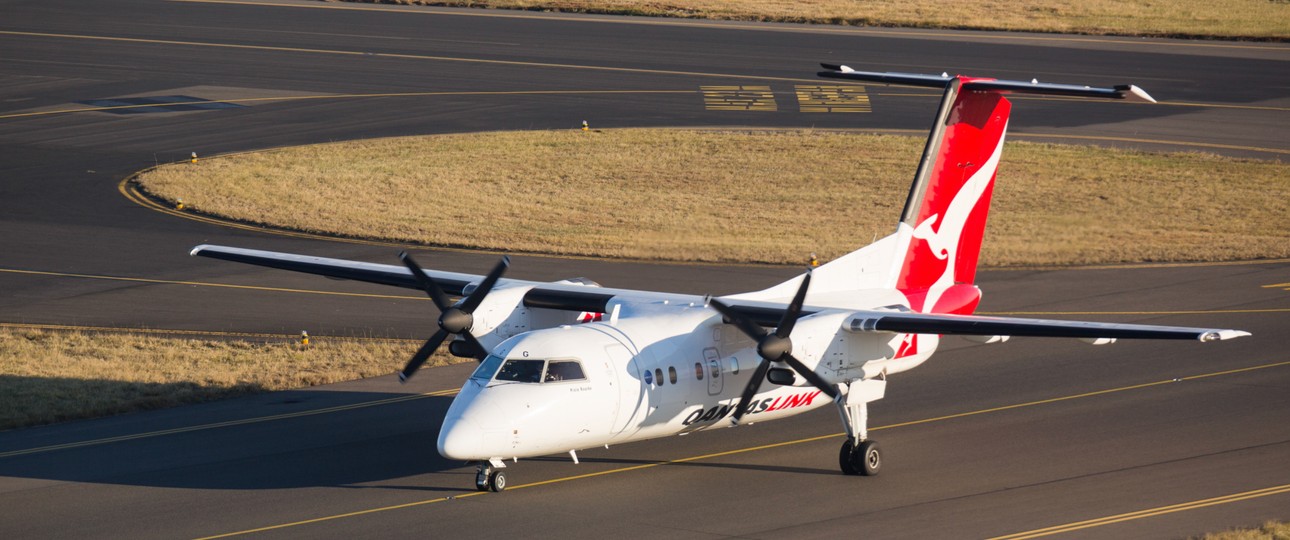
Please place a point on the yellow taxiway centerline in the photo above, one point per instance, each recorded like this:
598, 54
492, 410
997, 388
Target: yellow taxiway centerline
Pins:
178, 332
205, 284
1150, 512
751, 449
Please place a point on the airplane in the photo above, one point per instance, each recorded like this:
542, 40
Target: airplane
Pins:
571, 365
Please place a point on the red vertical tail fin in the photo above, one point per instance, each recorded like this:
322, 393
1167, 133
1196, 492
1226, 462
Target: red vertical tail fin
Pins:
944, 218
938, 240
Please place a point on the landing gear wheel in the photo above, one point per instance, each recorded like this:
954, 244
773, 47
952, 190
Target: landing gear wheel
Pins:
844, 459
482, 477
497, 481
865, 460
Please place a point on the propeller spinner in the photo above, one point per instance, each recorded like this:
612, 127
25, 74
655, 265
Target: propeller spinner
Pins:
453, 319
774, 346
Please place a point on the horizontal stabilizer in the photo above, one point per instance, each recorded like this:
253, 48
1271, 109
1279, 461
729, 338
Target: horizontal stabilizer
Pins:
1126, 92
968, 325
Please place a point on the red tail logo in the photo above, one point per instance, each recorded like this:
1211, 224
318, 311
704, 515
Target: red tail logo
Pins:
947, 209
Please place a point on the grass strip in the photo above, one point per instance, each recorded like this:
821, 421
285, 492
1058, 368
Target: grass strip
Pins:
53, 376
772, 197
1222, 19
1270, 530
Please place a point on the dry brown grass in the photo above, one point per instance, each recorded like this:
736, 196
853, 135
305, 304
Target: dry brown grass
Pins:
48, 377
738, 196
1271, 530
1247, 19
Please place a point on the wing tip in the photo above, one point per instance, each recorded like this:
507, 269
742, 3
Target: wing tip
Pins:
197, 250
1222, 335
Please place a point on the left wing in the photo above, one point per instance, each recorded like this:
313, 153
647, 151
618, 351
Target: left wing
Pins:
568, 297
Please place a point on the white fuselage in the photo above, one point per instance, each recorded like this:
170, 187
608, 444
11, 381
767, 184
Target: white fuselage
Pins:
656, 370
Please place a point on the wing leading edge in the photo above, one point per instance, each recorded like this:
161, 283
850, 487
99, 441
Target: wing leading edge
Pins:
974, 325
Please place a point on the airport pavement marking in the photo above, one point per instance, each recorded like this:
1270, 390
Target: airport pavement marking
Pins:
229, 423
814, 29
819, 98
206, 284
1150, 512
401, 56
754, 449
349, 96
738, 98
1284, 286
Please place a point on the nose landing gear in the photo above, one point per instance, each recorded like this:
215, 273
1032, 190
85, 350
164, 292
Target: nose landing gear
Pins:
488, 478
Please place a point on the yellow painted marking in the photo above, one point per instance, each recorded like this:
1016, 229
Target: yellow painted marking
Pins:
1172, 312
173, 332
811, 29
752, 449
1150, 512
824, 98
402, 56
229, 423
738, 98
204, 284
1285, 286
349, 96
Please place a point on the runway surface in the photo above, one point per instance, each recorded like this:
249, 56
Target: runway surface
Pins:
1153, 440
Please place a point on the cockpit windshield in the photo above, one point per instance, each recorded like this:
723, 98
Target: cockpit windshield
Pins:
529, 371
526, 370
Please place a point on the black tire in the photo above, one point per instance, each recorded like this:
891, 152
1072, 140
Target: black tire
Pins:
868, 458
846, 460
497, 481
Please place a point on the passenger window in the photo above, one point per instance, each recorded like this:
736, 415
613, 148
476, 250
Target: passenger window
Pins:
671, 374
563, 370
658, 374
698, 371
649, 377
716, 368
734, 365
525, 371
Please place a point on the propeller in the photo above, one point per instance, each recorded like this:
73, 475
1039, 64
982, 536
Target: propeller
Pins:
453, 319
774, 346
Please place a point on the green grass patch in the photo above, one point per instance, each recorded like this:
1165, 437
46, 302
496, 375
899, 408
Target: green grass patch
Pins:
773, 197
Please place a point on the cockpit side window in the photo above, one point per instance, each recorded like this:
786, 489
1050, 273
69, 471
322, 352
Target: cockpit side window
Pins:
487, 368
563, 370
525, 371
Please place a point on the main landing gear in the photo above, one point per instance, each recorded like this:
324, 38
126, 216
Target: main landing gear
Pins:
490, 478
859, 455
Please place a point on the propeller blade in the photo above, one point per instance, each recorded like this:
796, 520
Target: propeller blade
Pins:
480, 352
423, 354
745, 324
471, 302
811, 376
436, 294
749, 391
787, 323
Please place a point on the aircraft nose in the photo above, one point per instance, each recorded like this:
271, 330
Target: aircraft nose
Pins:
461, 439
